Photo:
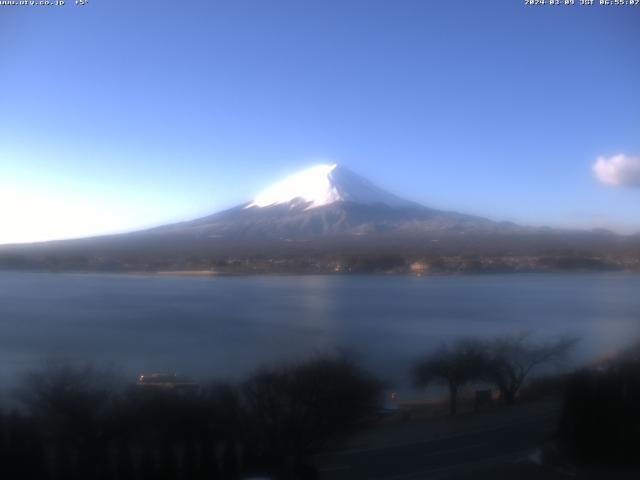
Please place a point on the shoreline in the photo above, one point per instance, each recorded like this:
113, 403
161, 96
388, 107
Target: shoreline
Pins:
214, 273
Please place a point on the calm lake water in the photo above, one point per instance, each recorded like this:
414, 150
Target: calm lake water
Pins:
227, 327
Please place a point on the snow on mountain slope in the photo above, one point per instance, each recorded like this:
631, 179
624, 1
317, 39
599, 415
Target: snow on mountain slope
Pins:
323, 185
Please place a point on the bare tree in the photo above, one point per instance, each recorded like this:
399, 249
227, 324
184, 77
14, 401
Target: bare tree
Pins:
70, 405
452, 366
511, 359
294, 410
600, 419
68, 397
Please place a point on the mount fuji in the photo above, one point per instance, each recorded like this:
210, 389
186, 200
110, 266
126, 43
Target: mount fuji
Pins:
319, 216
327, 201
323, 185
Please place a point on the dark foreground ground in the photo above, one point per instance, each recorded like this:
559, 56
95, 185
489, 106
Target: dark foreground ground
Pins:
503, 443
69, 424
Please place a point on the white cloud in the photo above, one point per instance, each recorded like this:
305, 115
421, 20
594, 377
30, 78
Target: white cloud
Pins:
618, 171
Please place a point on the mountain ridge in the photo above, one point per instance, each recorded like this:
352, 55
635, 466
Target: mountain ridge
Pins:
322, 216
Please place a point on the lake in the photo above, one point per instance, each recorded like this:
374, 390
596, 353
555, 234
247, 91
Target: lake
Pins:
225, 327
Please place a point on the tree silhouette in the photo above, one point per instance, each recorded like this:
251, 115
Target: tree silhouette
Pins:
70, 406
295, 410
511, 360
453, 366
600, 420
78, 422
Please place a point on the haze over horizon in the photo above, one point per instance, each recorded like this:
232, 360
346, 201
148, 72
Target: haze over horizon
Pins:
499, 110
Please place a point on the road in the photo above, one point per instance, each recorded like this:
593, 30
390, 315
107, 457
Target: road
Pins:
500, 441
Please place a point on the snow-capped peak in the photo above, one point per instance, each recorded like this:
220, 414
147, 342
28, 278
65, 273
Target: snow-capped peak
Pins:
323, 185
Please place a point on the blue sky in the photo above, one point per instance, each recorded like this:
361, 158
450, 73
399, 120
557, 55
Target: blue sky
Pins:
120, 114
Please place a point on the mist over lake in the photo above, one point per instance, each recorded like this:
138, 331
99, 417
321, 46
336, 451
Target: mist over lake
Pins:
226, 327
